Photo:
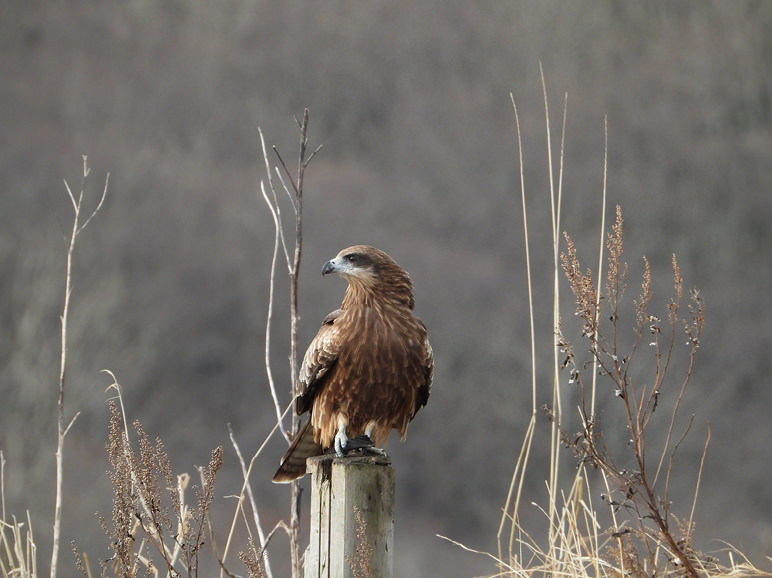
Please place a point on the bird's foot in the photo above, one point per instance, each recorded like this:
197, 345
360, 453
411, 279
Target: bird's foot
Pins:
341, 442
344, 445
364, 444
360, 442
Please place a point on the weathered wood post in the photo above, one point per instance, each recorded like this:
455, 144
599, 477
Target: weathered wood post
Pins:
339, 488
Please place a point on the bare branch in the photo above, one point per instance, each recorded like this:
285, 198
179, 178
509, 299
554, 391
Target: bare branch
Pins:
248, 488
62, 429
72, 421
99, 205
269, 319
273, 203
290, 196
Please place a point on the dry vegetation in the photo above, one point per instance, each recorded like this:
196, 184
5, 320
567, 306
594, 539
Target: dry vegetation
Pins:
410, 101
633, 532
153, 529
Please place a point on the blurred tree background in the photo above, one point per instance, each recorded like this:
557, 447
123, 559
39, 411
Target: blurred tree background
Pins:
411, 102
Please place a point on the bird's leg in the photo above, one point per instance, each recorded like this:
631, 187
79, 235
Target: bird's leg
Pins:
341, 441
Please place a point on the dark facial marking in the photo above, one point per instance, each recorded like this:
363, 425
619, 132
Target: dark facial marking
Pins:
359, 260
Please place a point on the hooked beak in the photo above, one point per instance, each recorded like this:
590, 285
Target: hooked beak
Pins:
329, 267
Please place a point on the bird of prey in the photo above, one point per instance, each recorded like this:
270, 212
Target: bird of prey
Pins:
370, 367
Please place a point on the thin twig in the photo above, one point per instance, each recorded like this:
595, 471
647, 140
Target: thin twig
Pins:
269, 317
275, 205
699, 481
246, 488
62, 429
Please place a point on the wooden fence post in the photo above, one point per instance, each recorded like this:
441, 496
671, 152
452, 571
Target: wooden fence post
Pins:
341, 487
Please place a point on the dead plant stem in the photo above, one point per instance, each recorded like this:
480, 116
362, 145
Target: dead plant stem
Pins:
62, 429
296, 197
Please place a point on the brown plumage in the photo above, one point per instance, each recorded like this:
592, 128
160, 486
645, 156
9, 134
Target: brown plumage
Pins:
369, 369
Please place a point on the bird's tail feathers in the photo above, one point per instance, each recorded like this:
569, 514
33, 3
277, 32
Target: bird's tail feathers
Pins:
293, 463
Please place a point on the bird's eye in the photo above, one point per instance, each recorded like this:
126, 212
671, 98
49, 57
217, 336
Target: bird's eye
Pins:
352, 257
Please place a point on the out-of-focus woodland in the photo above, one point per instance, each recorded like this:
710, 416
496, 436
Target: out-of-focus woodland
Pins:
411, 103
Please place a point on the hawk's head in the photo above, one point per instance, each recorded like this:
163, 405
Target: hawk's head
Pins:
359, 262
371, 268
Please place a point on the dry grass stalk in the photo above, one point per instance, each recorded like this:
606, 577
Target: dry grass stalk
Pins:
152, 525
18, 552
253, 559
